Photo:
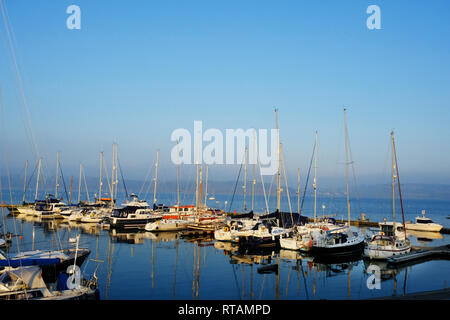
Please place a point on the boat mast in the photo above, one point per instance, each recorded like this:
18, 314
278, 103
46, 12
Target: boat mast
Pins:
279, 166
346, 166
298, 192
399, 189
245, 179
37, 180
156, 177
253, 172
70, 194
178, 183
315, 180
25, 182
206, 186
79, 184
113, 180
393, 181
57, 169
100, 183
200, 194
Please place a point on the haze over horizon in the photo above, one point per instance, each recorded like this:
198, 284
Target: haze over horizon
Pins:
136, 72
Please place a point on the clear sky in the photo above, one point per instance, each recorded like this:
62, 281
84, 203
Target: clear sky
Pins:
137, 70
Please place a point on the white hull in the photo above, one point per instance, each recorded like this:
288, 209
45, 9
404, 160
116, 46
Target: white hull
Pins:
385, 252
169, 225
292, 244
429, 227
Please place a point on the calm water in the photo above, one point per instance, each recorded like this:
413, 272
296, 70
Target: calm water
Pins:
165, 266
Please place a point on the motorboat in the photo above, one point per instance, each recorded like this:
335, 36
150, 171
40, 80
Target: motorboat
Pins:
167, 225
424, 224
135, 214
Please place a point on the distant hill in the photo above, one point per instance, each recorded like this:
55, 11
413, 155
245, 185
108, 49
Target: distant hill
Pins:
374, 191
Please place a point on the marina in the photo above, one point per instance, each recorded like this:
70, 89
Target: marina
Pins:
224, 151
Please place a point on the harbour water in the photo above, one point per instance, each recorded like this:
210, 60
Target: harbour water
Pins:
143, 265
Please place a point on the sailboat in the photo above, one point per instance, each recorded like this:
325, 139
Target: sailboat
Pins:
392, 239
268, 232
340, 241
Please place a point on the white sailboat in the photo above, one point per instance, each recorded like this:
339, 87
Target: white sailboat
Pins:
392, 239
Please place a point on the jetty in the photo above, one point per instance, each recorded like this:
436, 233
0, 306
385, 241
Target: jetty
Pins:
419, 254
442, 294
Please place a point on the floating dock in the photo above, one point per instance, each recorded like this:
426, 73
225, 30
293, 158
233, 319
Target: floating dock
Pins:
421, 254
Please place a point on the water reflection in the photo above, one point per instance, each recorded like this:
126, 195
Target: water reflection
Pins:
168, 265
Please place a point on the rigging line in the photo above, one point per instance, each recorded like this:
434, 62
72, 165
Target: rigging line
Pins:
145, 180
287, 188
64, 181
354, 173
234, 191
85, 186
5, 146
121, 174
307, 179
270, 189
399, 189
29, 129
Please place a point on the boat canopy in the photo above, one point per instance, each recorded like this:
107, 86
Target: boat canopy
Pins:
31, 276
286, 219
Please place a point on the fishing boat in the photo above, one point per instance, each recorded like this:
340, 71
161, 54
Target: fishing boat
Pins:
392, 239
27, 283
424, 224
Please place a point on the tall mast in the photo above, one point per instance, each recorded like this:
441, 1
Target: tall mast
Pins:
399, 188
116, 179
197, 185
70, 194
346, 166
253, 187
206, 186
100, 183
57, 170
253, 173
156, 176
298, 192
79, 183
178, 184
315, 179
245, 179
37, 180
113, 177
25, 182
393, 180
279, 166
200, 193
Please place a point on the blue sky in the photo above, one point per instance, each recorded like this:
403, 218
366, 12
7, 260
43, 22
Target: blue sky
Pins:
137, 70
